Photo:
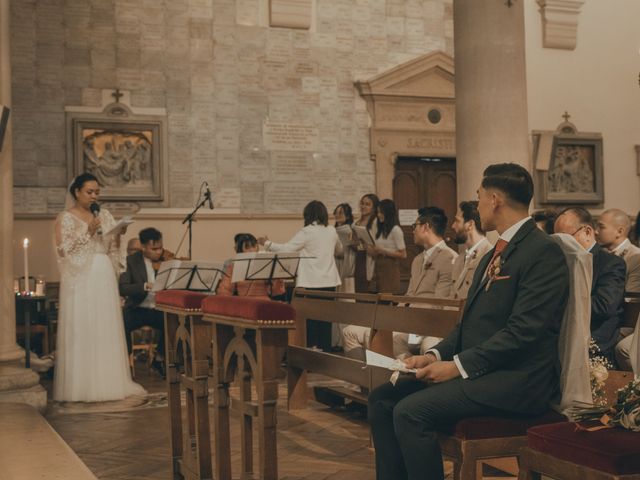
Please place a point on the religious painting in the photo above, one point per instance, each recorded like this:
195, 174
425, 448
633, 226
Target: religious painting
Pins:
572, 172
124, 157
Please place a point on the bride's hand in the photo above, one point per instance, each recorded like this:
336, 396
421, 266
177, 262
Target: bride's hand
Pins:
93, 226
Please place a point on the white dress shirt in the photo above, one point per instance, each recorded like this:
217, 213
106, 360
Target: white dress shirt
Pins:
319, 244
150, 300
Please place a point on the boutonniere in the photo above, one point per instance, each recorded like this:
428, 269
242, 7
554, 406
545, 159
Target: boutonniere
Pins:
493, 272
427, 265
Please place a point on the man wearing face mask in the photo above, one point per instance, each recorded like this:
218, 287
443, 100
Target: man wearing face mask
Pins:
136, 284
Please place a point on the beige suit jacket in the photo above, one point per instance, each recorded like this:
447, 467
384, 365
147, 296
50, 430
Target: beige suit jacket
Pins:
463, 274
435, 278
631, 256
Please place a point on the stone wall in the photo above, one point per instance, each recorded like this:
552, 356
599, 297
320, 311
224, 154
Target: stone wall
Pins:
269, 116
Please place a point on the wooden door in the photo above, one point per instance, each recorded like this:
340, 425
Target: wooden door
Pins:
421, 182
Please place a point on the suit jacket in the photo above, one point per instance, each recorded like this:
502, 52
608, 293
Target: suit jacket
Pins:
607, 298
507, 339
463, 273
433, 279
132, 281
631, 256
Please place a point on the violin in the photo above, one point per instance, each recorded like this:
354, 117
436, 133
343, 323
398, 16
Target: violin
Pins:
166, 255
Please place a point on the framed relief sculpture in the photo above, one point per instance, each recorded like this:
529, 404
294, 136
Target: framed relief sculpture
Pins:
124, 151
568, 166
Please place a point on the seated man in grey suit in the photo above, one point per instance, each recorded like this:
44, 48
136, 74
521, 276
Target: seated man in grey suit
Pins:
502, 357
136, 284
431, 273
468, 229
430, 277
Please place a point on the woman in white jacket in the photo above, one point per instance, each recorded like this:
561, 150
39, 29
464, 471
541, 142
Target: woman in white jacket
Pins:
318, 243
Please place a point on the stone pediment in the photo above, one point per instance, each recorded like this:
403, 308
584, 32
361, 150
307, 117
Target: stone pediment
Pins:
429, 76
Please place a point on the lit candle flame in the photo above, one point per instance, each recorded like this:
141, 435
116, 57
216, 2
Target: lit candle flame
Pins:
25, 243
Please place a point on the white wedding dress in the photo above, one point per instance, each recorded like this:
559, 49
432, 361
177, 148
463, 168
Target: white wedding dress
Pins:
91, 358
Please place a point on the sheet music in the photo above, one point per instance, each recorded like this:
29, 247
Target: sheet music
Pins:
180, 275
344, 233
124, 222
166, 274
363, 234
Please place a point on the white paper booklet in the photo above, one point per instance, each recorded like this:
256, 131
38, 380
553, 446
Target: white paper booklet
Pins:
124, 222
374, 359
364, 234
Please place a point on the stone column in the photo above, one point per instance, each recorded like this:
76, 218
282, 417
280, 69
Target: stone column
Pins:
17, 384
491, 90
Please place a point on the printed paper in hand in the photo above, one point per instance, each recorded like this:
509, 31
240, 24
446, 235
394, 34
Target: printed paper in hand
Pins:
124, 222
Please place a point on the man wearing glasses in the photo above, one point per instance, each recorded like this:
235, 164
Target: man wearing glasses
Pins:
609, 273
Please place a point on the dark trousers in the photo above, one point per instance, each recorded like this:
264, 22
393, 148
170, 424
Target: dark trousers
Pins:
136, 317
404, 420
319, 333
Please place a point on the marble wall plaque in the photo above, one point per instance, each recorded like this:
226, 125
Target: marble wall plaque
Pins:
290, 137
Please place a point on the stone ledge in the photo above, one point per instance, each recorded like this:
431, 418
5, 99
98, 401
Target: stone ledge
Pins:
560, 23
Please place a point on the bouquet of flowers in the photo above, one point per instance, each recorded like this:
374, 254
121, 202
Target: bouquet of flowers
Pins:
599, 368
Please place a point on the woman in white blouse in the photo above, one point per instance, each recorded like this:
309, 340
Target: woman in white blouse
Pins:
318, 243
388, 250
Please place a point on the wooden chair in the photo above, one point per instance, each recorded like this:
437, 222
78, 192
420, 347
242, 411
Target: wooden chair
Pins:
188, 346
249, 338
146, 345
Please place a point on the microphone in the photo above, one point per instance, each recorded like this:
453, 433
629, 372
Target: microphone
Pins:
207, 195
95, 209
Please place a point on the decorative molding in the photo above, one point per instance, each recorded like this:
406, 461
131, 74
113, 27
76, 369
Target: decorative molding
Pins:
560, 23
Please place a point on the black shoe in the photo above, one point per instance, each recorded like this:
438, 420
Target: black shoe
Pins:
158, 366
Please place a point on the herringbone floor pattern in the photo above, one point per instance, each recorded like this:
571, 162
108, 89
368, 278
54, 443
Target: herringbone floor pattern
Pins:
313, 444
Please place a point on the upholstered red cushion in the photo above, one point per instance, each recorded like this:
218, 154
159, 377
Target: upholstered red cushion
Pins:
180, 299
612, 450
477, 428
252, 308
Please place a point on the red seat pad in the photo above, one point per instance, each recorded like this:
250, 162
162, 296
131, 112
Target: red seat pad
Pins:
251, 308
478, 428
181, 299
612, 450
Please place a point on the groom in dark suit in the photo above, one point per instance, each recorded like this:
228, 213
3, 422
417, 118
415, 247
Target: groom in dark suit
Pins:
136, 285
502, 358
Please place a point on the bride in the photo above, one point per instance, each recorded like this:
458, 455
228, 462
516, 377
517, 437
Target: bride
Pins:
91, 358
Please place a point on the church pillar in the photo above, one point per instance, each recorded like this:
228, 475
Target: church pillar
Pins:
17, 384
491, 91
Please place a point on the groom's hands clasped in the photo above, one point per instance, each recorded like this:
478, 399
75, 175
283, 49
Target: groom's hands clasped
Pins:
431, 370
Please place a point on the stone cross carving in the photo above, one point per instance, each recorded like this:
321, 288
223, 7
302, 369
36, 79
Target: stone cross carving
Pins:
117, 94
566, 116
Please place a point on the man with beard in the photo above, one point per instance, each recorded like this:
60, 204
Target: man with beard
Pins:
469, 233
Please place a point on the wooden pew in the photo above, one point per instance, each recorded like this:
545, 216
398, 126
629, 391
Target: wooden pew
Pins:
381, 313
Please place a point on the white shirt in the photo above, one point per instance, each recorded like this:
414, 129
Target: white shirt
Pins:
394, 241
150, 300
620, 248
320, 243
507, 235
429, 251
468, 253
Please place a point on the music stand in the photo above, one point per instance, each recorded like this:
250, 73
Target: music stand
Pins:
267, 266
187, 275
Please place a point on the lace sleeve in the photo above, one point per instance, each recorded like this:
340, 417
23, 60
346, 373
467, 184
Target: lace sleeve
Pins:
113, 243
70, 238
73, 246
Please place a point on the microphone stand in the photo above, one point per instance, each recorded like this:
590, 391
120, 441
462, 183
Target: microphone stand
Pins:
189, 219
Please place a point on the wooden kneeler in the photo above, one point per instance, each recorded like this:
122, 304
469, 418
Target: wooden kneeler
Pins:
188, 343
249, 340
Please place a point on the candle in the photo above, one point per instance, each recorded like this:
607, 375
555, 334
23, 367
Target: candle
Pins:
25, 245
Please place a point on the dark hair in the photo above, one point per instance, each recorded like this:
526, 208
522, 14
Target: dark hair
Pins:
637, 228
547, 217
242, 240
469, 211
79, 182
315, 211
348, 213
150, 234
388, 209
583, 215
511, 179
375, 200
435, 218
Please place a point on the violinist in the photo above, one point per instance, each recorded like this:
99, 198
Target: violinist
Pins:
136, 285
